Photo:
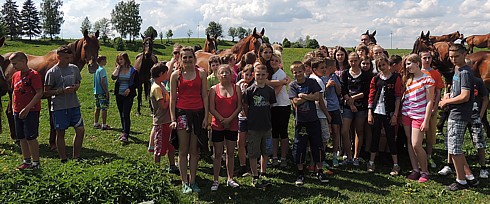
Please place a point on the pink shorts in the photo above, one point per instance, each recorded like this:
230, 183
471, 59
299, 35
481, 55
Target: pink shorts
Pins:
162, 139
414, 123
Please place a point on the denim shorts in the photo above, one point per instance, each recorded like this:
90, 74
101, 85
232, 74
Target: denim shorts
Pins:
351, 115
65, 118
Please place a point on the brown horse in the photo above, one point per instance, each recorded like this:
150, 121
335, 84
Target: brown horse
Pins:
371, 37
439, 52
144, 62
250, 43
446, 38
479, 41
480, 63
86, 51
211, 44
3, 83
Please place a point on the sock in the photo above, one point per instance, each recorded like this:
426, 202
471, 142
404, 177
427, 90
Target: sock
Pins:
470, 177
462, 182
27, 161
416, 170
96, 124
395, 164
371, 162
35, 163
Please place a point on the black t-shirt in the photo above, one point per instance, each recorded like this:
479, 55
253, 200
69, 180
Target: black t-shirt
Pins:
259, 100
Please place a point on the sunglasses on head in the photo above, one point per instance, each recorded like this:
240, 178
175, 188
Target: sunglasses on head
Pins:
176, 52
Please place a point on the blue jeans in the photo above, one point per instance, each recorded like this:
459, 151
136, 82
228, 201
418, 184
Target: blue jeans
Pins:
124, 105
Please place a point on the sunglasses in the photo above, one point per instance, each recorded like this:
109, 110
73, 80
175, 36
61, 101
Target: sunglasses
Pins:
176, 52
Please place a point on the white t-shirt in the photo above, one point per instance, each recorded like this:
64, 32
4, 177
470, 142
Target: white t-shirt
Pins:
319, 111
282, 97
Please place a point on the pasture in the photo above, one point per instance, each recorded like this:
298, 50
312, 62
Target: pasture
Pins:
117, 173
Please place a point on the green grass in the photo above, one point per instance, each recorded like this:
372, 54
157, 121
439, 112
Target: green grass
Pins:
125, 173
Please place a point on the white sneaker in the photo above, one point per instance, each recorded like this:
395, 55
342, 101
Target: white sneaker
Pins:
483, 173
445, 171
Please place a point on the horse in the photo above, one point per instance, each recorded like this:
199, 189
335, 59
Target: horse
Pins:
480, 64
250, 43
211, 44
85, 51
3, 83
371, 37
144, 62
451, 37
479, 41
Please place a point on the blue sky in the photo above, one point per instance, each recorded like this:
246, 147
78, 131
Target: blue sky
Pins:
331, 22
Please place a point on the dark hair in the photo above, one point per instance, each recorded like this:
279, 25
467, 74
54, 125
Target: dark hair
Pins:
345, 63
395, 59
63, 50
158, 68
315, 62
329, 62
379, 59
458, 48
296, 65
261, 49
101, 58
125, 56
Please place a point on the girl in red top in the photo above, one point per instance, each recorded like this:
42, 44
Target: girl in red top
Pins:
225, 123
189, 113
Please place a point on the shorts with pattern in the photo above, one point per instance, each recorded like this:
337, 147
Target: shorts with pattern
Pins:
162, 139
101, 102
477, 133
455, 136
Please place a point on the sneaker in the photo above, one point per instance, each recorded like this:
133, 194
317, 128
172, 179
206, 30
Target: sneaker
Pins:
424, 177
195, 188
151, 149
483, 173
105, 127
123, 137
335, 162
395, 171
322, 177
346, 162
215, 186
415, 175
457, 186
355, 162
96, 125
24, 166
446, 170
186, 189
232, 184
371, 167
431, 162
173, 170
35, 165
256, 183
275, 163
473, 183
284, 163
300, 180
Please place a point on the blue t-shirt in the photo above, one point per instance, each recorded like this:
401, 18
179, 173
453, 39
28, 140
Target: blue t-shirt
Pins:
330, 95
462, 79
305, 112
100, 74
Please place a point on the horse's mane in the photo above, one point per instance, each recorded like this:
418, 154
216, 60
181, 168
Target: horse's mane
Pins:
415, 45
76, 48
241, 43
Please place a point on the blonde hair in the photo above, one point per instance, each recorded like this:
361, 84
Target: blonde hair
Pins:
408, 77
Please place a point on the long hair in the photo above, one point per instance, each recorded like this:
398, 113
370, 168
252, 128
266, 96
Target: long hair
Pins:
186, 49
125, 57
344, 63
408, 77
261, 49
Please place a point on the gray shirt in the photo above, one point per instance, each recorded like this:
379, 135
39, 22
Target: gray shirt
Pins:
462, 79
57, 78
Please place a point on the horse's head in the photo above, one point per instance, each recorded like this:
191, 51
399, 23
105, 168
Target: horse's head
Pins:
147, 45
371, 40
422, 43
255, 40
459, 35
211, 44
90, 50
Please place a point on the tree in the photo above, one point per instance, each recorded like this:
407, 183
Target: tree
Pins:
29, 16
126, 19
151, 32
189, 33
104, 27
241, 32
86, 25
169, 35
214, 29
232, 32
3, 28
52, 17
11, 18
249, 32
266, 39
286, 43
161, 36
312, 43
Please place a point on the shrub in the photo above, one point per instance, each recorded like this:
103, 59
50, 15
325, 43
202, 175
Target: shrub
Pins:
119, 44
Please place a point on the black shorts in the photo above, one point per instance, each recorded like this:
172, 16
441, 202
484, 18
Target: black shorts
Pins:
27, 128
336, 117
221, 135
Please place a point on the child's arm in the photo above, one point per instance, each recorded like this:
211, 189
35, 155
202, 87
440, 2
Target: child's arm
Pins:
173, 98
238, 108
204, 96
484, 106
104, 87
115, 73
163, 102
302, 97
32, 103
212, 105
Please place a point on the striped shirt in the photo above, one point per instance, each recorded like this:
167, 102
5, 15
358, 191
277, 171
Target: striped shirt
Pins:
415, 102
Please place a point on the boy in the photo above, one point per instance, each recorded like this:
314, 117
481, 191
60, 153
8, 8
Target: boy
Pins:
303, 92
161, 131
27, 92
62, 82
460, 102
332, 92
431, 132
257, 102
101, 93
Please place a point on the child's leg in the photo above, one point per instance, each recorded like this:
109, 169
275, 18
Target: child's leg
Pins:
33, 149
60, 144
104, 117
171, 157
218, 152
359, 126
78, 141
230, 157
275, 147
376, 132
284, 148
184, 138
390, 137
242, 153
431, 134
25, 149
253, 166
336, 138
194, 157
96, 116
421, 156
151, 143
346, 144
411, 153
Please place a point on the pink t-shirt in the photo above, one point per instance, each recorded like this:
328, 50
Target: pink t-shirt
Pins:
415, 101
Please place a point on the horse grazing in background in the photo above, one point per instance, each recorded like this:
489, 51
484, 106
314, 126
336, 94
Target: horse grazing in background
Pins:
144, 62
451, 37
211, 44
479, 41
85, 51
249, 43
439, 52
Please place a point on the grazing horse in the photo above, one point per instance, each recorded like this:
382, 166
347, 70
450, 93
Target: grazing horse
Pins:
211, 44
451, 37
144, 62
251, 42
479, 41
85, 51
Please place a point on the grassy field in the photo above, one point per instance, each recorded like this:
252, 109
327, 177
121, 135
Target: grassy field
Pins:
117, 173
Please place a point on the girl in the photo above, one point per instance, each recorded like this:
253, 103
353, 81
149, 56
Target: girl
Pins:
189, 115
384, 104
247, 79
416, 110
355, 90
340, 55
265, 54
125, 90
366, 64
225, 123
280, 112
212, 78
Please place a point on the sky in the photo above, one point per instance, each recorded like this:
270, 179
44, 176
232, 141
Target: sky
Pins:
332, 22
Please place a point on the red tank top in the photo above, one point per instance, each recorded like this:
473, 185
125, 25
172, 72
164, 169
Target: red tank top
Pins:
225, 107
189, 93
